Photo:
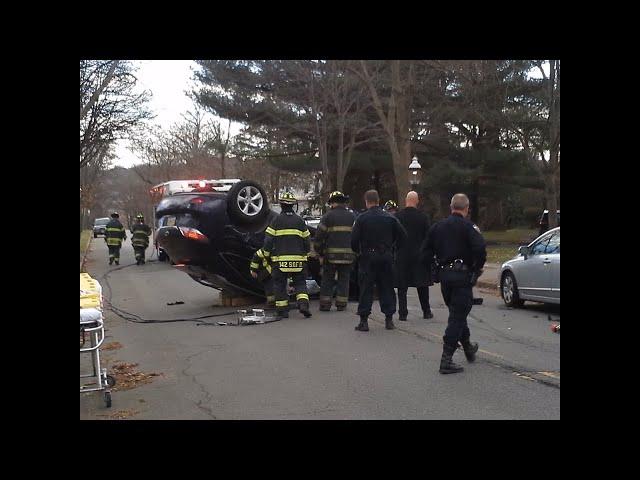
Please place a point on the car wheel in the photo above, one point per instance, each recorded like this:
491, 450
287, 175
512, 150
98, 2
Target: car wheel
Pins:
509, 291
162, 256
247, 202
95, 235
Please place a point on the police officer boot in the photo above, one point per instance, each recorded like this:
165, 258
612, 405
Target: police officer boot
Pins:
283, 313
341, 308
388, 322
111, 261
363, 326
427, 314
470, 350
117, 262
304, 309
446, 362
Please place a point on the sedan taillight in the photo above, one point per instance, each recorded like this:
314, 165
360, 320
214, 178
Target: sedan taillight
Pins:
194, 234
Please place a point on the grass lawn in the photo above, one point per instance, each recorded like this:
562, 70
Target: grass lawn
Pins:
85, 235
514, 236
501, 253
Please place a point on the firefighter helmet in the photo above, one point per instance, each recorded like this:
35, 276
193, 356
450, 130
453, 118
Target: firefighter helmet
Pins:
140, 216
338, 197
287, 198
115, 215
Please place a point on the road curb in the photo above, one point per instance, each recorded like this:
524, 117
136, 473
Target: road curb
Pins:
84, 255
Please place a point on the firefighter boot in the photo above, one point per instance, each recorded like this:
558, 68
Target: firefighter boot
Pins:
470, 350
325, 304
304, 308
446, 362
363, 326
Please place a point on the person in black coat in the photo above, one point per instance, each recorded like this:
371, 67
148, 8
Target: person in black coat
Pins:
409, 271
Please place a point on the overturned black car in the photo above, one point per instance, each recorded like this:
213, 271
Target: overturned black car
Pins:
211, 229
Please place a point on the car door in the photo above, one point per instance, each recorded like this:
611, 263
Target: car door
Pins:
552, 256
532, 275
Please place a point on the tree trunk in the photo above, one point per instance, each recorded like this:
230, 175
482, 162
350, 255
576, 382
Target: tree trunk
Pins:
340, 156
98, 92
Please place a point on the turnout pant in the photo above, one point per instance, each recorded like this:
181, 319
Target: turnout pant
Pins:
458, 296
267, 283
423, 295
329, 271
299, 284
376, 269
139, 252
114, 252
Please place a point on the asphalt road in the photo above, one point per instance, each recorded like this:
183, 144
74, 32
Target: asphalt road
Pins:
317, 368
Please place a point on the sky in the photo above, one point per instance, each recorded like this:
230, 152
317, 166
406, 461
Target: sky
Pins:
168, 81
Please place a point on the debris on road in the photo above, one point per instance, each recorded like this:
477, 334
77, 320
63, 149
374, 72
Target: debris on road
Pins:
177, 302
127, 377
112, 346
120, 414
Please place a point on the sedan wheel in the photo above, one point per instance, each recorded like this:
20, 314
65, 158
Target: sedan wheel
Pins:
509, 290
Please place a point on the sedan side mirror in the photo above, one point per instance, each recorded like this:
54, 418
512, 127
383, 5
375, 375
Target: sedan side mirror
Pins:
524, 251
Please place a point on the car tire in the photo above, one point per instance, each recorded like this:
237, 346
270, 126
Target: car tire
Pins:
509, 291
162, 256
95, 235
247, 202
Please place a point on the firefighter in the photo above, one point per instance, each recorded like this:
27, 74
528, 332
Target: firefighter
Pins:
140, 238
260, 269
114, 236
391, 207
287, 246
333, 245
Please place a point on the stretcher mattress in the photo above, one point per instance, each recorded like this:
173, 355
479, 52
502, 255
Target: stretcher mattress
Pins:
90, 292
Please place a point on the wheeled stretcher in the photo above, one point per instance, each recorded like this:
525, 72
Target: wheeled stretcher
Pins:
92, 337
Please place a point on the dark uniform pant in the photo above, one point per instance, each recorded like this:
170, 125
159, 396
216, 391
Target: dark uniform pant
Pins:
458, 296
328, 283
423, 295
299, 284
376, 269
114, 252
139, 251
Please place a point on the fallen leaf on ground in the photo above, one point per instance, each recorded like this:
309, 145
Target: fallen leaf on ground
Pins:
121, 414
112, 346
127, 377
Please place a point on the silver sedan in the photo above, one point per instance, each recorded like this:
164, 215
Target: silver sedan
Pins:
534, 274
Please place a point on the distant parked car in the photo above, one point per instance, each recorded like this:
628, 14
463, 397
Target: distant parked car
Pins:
100, 226
534, 274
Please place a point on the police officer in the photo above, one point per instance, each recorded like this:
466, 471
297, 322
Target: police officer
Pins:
459, 249
260, 269
114, 236
411, 273
140, 238
391, 207
375, 234
333, 244
287, 246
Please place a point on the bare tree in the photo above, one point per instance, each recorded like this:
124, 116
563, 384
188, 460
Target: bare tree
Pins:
110, 108
394, 111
